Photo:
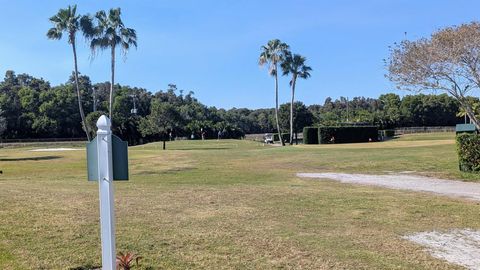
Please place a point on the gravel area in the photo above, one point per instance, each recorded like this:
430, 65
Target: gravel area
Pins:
450, 188
461, 247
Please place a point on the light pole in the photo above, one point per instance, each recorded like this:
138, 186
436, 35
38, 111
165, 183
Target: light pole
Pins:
134, 110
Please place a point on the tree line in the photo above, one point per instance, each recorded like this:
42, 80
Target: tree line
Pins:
32, 108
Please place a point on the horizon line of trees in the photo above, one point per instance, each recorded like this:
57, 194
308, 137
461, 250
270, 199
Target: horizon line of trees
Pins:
31, 108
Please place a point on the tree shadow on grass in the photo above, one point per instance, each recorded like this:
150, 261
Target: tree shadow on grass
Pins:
86, 267
31, 158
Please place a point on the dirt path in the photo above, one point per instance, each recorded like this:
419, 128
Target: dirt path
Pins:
450, 188
459, 246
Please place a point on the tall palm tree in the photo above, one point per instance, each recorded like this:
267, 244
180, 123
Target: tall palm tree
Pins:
109, 32
67, 21
295, 65
272, 55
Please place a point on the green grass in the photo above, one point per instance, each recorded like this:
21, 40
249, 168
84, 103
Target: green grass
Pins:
231, 204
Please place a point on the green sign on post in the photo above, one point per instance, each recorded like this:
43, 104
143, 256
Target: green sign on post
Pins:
119, 159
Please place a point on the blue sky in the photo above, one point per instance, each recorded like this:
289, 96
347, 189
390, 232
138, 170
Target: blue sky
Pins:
212, 47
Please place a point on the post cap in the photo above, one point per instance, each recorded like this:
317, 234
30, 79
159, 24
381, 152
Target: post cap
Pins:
104, 123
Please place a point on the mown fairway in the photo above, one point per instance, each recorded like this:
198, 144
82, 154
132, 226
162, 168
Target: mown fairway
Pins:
231, 205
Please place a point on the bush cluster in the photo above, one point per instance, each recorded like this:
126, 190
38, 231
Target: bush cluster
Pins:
339, 134
347, 134
310, 135
468, 148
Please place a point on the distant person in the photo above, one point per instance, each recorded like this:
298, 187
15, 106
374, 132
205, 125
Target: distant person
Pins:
219, 135
332, 139
192, 136
170, 135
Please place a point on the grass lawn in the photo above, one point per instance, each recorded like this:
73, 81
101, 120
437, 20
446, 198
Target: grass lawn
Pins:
231, 205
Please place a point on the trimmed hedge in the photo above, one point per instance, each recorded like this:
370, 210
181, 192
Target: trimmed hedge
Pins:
310, 135
468, 149
347, 134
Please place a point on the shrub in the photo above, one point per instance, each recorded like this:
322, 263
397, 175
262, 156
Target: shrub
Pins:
125, 261
347, 134
468, 149
310, 135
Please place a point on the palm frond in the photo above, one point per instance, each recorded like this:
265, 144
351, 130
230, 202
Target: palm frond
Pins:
53, 33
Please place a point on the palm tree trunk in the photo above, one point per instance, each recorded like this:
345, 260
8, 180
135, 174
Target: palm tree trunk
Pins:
294, 80
79, 97
164, 140
110, 106
469, 111
276, 107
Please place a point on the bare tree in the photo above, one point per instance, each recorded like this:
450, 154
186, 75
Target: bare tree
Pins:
447, 61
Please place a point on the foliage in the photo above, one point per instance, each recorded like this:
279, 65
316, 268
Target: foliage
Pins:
389, 111
109, 32
32, 108
125, 261
3, 123
347, 134
448, 61
164, 117
303, 117
468, 149
92, 121
310, 135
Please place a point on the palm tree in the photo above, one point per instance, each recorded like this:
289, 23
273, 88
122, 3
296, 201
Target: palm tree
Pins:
273, 54
66, 20
295, 65
110, 32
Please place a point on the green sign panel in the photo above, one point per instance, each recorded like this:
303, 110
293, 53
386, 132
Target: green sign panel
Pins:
468, 128
119, 159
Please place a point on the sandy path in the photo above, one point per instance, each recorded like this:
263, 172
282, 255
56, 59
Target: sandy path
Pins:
450, 188
460, 247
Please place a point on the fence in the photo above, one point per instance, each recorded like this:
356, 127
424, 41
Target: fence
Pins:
410, 130
42, 140
39, 141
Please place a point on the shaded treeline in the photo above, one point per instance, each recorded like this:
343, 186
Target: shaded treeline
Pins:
32, 108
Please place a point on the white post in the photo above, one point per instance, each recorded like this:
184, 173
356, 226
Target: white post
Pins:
105, 183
